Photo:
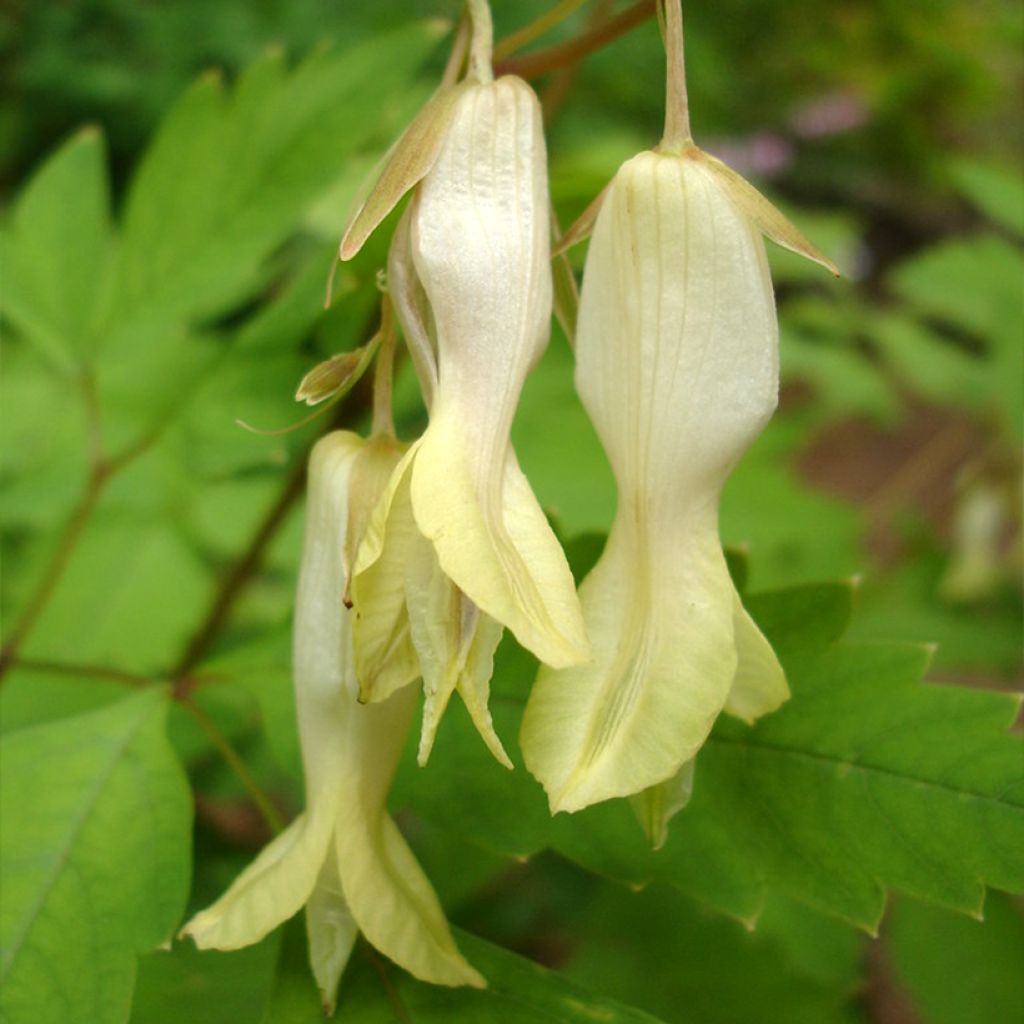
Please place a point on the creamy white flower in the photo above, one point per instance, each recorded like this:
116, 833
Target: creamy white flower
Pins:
677, 366
460, 547
479, 236
343, 858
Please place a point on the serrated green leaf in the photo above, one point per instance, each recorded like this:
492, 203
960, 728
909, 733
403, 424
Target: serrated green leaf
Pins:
717, 970
94, 844
373, 991
55, 256
230, 174
906, 601
865, 780
803, 618
958, 970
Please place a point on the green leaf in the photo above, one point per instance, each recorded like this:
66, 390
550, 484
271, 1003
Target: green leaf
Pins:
43, 443
184, 984
906, 601
132, 593
959, 970
229, 175
766, 508
33, 696
94, 843
715, 968
56, 255
865, 780
844, 382
995, 190
975, 285
552, 431
373, 991
263, 669
931, 365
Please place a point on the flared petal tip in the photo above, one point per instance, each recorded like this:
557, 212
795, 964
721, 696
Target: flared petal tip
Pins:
198, 929
574, 797
471, 977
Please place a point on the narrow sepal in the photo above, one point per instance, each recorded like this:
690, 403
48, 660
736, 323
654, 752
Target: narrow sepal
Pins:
410, 159
763, 214
657, 805
583, 226
335, 377
759, 686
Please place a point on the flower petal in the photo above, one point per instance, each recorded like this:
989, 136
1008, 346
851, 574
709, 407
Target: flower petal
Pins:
493, 540
386, 889
385, 658
760, 683
661, 624
272, 888
480, 239
331, 932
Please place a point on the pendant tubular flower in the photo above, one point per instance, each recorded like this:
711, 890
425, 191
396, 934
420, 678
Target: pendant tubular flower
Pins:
343, 858
459, 547
677, 366
479, 237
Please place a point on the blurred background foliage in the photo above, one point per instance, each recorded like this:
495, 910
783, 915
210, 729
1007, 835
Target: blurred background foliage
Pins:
154, 294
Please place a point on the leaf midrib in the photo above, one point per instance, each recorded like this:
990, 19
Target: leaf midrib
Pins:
861, 766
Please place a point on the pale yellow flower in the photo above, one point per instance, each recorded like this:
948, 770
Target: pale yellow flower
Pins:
343, 858
677, 366
460, 546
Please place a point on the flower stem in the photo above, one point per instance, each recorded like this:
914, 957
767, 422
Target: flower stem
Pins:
677, 106
532, 65
536, 28
481, 44
54, 570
